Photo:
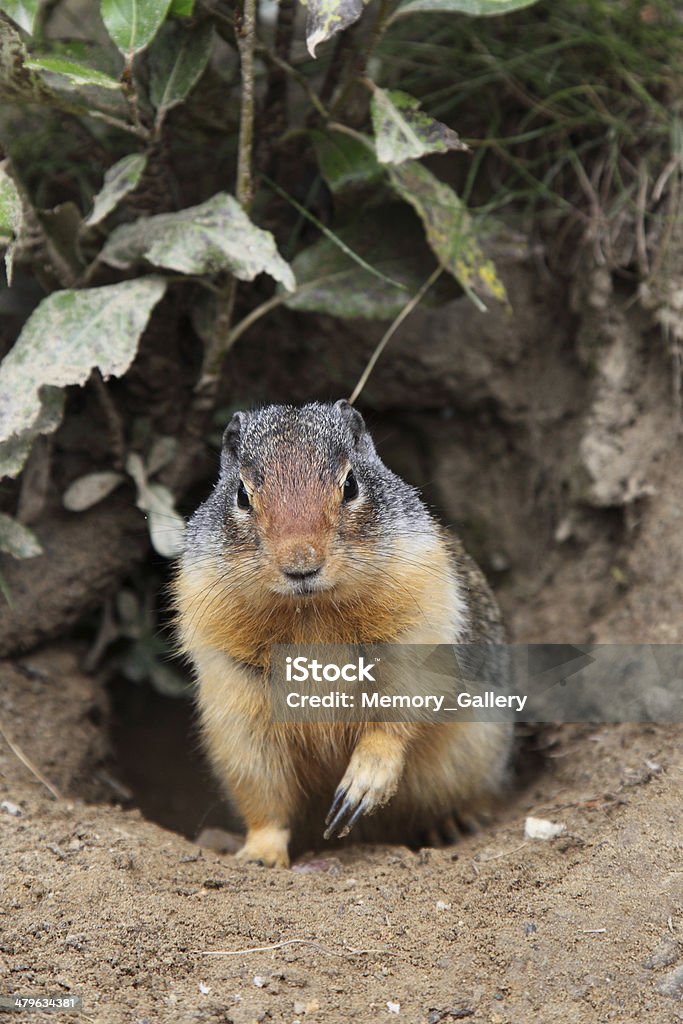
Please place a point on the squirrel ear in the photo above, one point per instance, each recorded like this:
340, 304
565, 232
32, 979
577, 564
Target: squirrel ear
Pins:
231, 434
352, 418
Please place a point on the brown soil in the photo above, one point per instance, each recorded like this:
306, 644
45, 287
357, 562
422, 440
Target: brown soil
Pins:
100, 903
552, 443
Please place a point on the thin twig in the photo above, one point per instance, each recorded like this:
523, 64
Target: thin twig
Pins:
114, 422
350, 951
405, 312
358, 61
25, 760
505, 853
297, 76
246, 39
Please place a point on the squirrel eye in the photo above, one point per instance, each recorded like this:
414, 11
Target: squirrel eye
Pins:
242, 497
350, 487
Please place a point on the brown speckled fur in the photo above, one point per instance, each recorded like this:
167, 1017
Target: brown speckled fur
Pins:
386, 572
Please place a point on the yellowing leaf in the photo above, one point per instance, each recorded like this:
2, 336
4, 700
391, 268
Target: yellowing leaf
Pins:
449, 229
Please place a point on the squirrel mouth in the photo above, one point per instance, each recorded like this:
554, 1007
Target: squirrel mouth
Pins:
303, 584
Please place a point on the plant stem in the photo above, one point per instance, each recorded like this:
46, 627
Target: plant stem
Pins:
358, 60
391, 331
246, 39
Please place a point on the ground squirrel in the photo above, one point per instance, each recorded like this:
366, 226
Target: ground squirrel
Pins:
309, 538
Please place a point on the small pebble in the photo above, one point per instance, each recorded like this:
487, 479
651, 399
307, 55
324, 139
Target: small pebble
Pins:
541, 828
663, 955
394, 1007
672, 984
9, 808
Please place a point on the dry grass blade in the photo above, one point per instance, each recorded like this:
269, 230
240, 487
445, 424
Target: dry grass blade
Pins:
25, 760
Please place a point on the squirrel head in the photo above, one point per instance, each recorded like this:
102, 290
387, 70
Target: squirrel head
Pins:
299, 490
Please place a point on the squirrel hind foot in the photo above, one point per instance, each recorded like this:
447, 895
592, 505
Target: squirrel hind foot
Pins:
267, 846
450, 830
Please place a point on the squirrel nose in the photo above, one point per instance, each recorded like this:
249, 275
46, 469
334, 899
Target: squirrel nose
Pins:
301, 561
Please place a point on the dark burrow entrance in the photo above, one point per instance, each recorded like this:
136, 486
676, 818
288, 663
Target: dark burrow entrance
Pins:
159, 763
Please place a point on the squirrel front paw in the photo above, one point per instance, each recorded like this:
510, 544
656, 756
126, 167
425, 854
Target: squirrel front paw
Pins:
267, 846
370, 781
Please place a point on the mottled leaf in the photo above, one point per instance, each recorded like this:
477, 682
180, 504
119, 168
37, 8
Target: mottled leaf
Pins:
119, 180
345, 162
479, 8
214, 236
166, 525
11, 218
15, 451
449, 229
22, 12
69, 334
90, 489
181, 8
404, 132
132, 24
16, 540
391, 240
77, 74
177, 62
326, 17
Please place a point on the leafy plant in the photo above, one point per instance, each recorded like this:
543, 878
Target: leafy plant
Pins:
110, 237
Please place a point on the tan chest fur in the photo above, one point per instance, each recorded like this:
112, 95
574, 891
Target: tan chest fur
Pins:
414, 602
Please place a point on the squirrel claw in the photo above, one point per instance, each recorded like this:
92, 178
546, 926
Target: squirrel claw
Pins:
336, 803
343, 817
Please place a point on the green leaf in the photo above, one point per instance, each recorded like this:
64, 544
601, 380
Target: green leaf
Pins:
345, 162
391, 240
15, 451
77, 74
119, 180
478, 8
404, 132
132, 24
22, 12
16, 540
177, 62
214, 236
69, 334
449, 229
181, 8
326, 17
11, 218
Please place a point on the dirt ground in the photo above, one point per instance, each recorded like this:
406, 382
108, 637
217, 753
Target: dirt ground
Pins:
100, 903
